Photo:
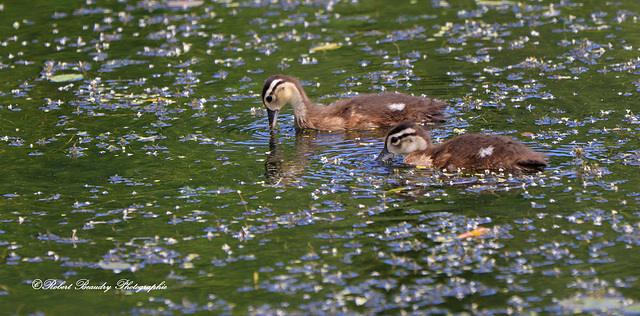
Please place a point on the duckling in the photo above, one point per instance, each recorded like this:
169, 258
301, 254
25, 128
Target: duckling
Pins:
361, 112
471, 151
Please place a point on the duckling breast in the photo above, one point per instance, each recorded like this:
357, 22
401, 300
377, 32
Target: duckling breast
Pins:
419, 159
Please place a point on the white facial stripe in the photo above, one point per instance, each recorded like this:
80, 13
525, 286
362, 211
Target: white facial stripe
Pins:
402, 133
280, 92
484, 152
396, 106
406, 142
271, 87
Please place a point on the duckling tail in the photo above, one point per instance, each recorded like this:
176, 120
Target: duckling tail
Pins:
531, 165
439, 117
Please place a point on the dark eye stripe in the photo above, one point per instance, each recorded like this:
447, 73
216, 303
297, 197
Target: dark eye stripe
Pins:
275, 87
401, 135
271, 88
401, 131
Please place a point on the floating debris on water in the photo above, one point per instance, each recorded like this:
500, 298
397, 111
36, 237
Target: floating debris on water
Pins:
152, 161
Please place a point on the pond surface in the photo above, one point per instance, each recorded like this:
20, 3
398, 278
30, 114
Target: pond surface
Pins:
140, 177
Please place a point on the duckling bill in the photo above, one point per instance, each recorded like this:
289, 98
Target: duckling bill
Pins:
471, 151
361, 112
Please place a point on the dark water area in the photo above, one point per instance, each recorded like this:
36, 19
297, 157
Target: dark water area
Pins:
140, 175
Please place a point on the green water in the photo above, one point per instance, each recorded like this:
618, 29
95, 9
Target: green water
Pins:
152, 165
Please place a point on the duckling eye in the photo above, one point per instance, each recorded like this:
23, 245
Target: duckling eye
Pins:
394, 139
269, 99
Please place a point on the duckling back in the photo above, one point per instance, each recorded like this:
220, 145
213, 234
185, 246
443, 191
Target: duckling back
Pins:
380, 110
479, 151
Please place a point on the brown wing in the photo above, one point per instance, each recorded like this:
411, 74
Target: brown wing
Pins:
386, 109
477, 151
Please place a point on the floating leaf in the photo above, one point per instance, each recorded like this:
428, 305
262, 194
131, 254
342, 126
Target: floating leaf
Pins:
325, 47
495, 3
397, 190
116, 266
66, 78
184, 4
597, 304
474, 233
442, 239
158, 99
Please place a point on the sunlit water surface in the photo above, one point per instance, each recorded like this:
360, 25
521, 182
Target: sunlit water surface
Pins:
135, 153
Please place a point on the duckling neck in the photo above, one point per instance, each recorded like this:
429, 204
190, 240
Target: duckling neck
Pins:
302, 109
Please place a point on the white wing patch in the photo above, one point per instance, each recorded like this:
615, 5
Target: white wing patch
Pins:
396, 106
484, 152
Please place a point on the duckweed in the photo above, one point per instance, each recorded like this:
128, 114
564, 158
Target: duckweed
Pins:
137, 159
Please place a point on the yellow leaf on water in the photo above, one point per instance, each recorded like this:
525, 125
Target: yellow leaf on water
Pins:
400, 189
442, 239
494, 3
325, 47
474, 233
158, 99
66, 78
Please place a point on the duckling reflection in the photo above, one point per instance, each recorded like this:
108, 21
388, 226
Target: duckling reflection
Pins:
414, 183
311, 146
279, 169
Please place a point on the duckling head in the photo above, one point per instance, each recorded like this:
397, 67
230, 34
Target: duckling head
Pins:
404, 139
277, 91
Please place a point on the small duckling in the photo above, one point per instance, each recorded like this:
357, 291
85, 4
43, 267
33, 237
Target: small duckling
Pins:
361, 112
471, 151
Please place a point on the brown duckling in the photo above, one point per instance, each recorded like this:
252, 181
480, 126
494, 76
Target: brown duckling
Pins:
361, 112
471, 151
